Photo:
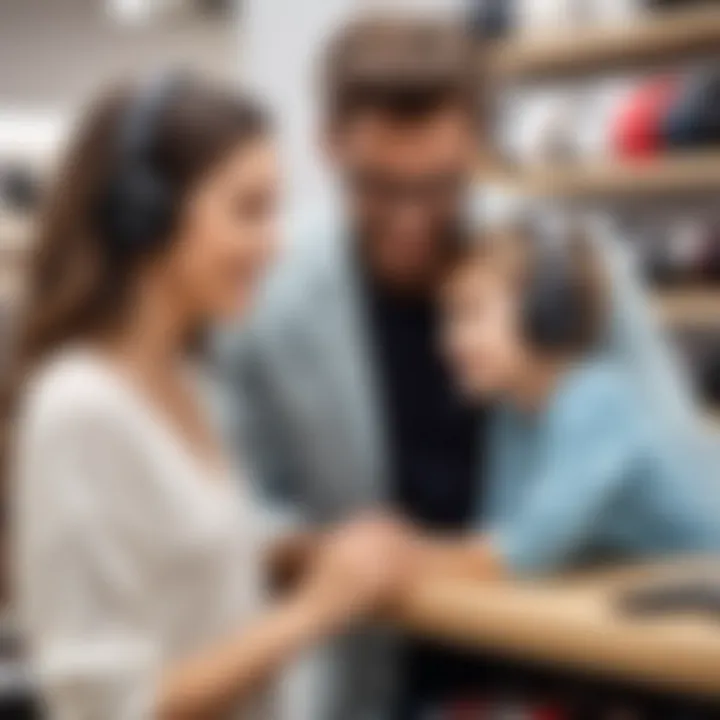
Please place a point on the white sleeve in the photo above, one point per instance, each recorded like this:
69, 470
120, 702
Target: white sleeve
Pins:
83, 599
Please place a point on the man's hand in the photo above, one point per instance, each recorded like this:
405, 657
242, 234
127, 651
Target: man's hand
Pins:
407, 555
289, 559
360, 568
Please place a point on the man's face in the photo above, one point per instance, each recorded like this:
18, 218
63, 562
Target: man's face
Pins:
406, 181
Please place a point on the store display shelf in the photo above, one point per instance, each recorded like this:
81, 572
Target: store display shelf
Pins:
674, 175
690, 307
669, 37
712, 418
15, 234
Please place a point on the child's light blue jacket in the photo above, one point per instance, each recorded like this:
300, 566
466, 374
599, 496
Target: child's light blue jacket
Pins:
594, 475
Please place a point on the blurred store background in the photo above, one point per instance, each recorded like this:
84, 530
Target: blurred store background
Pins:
606, 105
54, 54
611, 107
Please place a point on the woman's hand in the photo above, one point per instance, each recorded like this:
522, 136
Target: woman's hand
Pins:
357, 569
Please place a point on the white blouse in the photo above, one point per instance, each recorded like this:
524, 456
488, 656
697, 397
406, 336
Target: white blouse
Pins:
129, 553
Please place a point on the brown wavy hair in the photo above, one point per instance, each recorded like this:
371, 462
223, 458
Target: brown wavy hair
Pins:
75, 287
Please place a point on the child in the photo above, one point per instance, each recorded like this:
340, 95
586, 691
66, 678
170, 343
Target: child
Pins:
578, 468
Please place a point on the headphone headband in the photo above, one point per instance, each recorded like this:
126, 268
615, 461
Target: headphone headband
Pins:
137, 210
554, 311
138, 127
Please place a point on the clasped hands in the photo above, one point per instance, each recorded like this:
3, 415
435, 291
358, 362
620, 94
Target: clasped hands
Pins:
361, 568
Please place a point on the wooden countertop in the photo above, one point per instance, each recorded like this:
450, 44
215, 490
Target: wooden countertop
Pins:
572, 623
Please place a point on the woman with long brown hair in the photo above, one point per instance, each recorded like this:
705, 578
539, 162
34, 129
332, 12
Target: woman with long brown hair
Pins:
136, 565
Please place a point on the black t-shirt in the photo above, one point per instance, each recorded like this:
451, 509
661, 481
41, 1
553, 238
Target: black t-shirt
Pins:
435, 441
433, 433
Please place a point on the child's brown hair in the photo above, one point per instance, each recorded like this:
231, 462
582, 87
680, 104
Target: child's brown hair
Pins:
565, 301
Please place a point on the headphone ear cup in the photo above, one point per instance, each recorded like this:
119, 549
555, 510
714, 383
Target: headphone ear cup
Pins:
551, 314
536, 320
136, 213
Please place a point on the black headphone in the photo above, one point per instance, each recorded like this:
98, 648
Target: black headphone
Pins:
554, 310
137, 208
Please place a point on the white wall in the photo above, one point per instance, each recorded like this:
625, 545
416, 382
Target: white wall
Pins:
54, 53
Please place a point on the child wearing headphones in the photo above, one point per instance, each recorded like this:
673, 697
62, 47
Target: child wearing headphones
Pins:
578, 471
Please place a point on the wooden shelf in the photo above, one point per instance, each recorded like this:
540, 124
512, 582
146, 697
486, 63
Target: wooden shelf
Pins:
665, 38
673, 176
712, 418
691, 308
15, 235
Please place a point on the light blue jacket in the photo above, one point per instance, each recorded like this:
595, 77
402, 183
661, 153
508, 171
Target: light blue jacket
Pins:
596, 475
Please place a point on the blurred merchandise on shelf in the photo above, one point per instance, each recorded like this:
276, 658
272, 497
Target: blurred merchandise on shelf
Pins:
693, 120
492, 19
541, 16
534, 127
638, 127
678, 4
537, 18
685, 253
628, 118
